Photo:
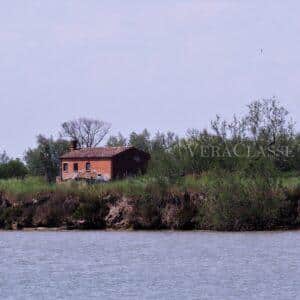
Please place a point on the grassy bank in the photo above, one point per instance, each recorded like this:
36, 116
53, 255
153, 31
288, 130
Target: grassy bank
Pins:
216, 201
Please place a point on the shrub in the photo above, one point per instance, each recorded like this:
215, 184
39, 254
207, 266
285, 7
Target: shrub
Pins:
9, 215
91, 214
214, 200
146, 213
13, 169
179, 213
234, 203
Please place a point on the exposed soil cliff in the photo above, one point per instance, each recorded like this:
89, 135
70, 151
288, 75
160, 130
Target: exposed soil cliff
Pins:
180, 210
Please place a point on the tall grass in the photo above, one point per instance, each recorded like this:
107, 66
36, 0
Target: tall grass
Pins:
239, 204
212, 200
139, 186
25, 187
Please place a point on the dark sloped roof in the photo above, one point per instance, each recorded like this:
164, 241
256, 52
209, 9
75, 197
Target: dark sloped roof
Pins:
99, 152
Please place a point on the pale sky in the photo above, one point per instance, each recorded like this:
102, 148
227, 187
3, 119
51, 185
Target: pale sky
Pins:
159, 64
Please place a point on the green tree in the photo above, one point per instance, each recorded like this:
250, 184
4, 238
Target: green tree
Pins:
4, 158
267, 127
34, 162
44, 160
140, 141
266, 121
163, 141
14, 168
116, 141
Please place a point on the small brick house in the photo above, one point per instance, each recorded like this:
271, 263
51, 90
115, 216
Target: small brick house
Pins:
102, 162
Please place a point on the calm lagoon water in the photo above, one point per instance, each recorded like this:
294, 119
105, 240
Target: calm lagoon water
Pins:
149, 265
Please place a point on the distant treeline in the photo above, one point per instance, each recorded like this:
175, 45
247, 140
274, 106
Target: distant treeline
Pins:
262, 141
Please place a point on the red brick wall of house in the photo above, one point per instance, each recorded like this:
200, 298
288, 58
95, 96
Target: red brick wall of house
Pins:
98, 166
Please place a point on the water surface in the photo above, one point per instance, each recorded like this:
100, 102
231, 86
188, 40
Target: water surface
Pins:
149, 265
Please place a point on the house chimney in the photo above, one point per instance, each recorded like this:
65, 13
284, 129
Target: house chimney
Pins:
73, 145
